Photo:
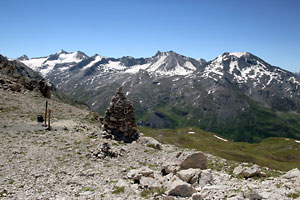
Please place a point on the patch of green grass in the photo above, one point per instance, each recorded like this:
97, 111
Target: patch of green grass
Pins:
118, 190
275, 153
3, 193
146, 193
294, 195
251, 125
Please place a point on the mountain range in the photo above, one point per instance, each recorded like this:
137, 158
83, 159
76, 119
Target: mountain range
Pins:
237, 95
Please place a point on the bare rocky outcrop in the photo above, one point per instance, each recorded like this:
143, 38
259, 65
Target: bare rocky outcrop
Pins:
16, 76
119, 119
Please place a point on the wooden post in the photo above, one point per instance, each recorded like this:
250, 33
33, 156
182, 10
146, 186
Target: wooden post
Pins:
49, 117
46, 112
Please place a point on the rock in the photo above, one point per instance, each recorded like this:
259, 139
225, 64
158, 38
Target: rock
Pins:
196, 196
253, 196
252, 171
206, 178
294, 173
136, 174
187, 174
248, 172
119, 119
148, 182
150, 142
238, 170
180, 188
214, 192
106, 151
184, 160
121, 183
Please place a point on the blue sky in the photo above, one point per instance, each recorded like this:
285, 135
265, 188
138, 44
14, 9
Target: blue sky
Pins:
269, 29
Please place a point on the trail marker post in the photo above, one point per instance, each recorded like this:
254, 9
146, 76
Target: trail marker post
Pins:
49, 117
46, 112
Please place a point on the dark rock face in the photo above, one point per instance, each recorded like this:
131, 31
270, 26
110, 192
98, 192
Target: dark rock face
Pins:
119, 119
17, 75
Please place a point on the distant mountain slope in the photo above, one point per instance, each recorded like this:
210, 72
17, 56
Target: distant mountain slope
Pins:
237, 94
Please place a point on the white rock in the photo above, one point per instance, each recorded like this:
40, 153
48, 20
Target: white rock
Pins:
238, 170
206, 178
151, 142
294, 173
121, 183
136, 174
249, 172
187, 174
147, 182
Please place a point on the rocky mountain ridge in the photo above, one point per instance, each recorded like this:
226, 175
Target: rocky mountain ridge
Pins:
237, 94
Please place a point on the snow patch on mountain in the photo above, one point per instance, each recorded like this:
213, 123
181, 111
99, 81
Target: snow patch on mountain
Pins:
238, 54
154, 66
116, 65
97, 59
189, 65
178, 70
34, 63
136, 68
212, 70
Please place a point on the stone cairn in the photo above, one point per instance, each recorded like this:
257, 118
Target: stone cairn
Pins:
119, 120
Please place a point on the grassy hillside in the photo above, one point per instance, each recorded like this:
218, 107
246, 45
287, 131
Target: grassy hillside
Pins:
253, 125
275, 153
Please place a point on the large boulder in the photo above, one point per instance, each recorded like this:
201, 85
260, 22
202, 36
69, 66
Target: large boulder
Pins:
184, 160
119, 119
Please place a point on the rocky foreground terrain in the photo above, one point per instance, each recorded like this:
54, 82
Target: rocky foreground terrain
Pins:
74, 161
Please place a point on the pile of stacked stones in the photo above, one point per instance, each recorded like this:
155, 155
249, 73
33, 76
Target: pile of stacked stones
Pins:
119, 120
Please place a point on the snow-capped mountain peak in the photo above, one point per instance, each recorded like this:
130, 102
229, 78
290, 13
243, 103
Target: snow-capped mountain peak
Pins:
170, 63
61, 60
62, 52
22, 58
